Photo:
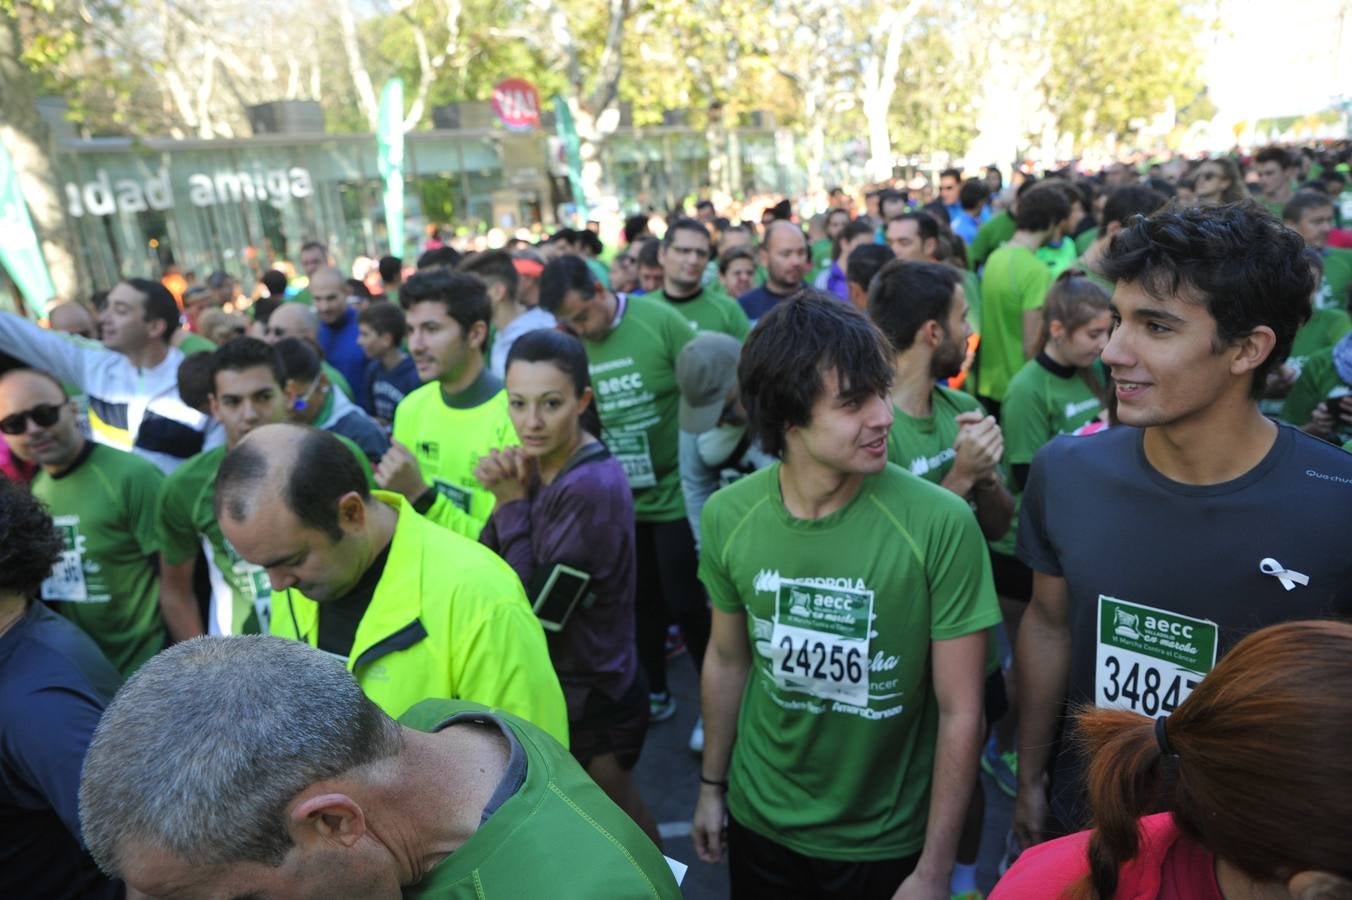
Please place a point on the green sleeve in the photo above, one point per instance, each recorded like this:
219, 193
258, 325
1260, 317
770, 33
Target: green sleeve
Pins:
176, 535
1035, 285
678, 334
1024, 422
141, 494
1338, 273
1087, 237
1309, 390
446, 514
338, 380
739, 326
503, 661
713, 571
958, 569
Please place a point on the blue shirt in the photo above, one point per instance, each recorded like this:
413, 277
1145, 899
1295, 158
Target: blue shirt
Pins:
54, 685
381, 389
759, 301
339, 343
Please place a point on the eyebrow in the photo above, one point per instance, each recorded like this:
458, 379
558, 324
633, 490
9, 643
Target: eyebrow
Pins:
1149, 313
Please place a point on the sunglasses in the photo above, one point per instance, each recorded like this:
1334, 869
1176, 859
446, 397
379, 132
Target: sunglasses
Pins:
44, 415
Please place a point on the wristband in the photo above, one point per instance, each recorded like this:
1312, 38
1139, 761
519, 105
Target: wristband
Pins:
425, 501
712, 783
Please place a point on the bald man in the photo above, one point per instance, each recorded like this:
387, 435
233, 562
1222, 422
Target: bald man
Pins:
413, 609
786, 259
72, 318
337, 324
300, 321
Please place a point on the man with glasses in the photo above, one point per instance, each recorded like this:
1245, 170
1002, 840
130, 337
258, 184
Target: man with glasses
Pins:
316, 403
950, 189
103, 503
684, 252
131, 381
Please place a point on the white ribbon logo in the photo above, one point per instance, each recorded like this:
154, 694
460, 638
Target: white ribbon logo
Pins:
1288, 578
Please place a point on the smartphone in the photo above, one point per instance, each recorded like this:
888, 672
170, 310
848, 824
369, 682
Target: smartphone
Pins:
563, 589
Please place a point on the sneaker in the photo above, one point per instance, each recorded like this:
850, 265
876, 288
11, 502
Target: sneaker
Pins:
675, 643
697, 736
661, 707
1003, 768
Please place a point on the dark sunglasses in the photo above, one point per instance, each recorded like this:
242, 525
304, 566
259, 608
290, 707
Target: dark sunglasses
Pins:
44, 414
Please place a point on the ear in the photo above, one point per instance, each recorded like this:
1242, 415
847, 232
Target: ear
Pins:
156, 328
585, 400
497, 292
478, 335
333, 819
1319, 886
351, 512
1056, 329
930, 246
931, 334
1252, 350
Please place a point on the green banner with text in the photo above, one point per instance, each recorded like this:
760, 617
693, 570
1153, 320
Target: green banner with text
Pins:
20, 252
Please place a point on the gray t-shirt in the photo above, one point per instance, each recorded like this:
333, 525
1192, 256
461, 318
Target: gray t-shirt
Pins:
1164, 578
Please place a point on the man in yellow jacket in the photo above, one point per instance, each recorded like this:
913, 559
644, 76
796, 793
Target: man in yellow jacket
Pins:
413, 610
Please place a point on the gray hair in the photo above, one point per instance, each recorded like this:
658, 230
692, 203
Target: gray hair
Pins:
203, 748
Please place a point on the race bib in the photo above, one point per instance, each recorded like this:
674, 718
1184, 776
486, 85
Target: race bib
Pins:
458, 496
1149, 660
820, 641
67, 579
253, 585
632, 450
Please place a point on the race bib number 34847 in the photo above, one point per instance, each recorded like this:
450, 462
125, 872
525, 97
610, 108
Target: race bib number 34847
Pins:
1149, 660
820, 641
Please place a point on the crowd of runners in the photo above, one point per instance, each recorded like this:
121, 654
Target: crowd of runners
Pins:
339, 587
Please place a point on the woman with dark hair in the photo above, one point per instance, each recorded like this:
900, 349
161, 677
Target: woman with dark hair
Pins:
564, 520
1252, 774
1219, 181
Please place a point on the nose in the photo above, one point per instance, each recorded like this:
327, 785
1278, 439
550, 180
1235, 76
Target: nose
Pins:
880, 412
280, 580
1115, 352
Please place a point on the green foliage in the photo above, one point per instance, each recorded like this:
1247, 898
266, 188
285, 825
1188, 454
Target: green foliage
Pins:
933, 109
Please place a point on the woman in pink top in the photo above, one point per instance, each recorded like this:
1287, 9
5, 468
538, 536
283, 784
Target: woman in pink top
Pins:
1253, 770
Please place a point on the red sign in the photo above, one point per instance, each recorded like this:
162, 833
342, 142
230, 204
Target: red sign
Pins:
517, 104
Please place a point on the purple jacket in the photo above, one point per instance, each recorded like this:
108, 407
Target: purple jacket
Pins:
584, 519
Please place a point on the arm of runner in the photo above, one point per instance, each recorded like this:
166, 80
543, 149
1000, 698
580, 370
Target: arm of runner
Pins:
42, 349
726, 666
178, 605
994, 507
398, 471
1032, 332
1042, 659
959, 674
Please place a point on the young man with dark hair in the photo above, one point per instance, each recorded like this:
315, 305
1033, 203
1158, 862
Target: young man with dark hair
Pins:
511, 318
1227, 521
438, 258
103, 502
1310, 214
1013, 287
891, 203
950, 187
1276, 170
413, 610
864, 263
54, 685
973, 210
847, 676
1120, 208
684, 253
997, 230
853, 235
317, 402
650, 271
460, 412
391, 277
247, 390
390, 372
131, 381
632, 347
913, 236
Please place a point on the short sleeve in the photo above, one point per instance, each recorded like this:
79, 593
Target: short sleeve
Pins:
1034, 546
1024, 422
1038, 280
176, 535
958, 570
713, 570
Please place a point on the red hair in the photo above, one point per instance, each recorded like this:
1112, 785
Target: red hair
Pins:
1263, 762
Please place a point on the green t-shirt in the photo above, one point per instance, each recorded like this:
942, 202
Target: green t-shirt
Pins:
1323, 330
836, 733
240, 591
195, 343
1084, 239
558, 835
924, 446
971, 289
994, 232
1041, 404
1058, 257
105, 581
1337, 276
709, 310
1014, 282
1318, 382
448, 436
633, 372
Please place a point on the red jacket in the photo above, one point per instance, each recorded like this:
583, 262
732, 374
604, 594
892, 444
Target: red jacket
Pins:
1168, 866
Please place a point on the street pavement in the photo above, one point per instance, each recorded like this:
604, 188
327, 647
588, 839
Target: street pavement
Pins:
668, 776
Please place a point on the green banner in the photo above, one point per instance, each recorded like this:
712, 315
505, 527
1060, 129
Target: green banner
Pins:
20, 252
563, 118
390, 160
